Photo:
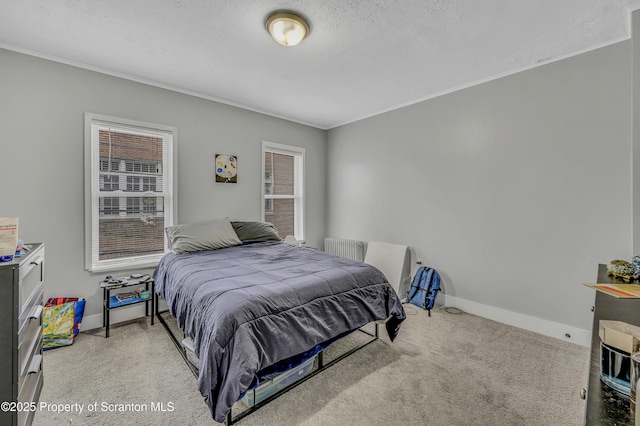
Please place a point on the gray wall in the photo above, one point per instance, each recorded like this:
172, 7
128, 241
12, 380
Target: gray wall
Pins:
514, 190
41, 149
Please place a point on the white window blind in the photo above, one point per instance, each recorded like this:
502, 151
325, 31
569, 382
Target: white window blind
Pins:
283, 188
129, 192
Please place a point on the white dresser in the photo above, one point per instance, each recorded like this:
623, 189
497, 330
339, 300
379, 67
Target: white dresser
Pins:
21, 303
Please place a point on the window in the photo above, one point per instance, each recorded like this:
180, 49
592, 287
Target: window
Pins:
141, 183
104, 165
109, 182
129, 192
109, 206
283, 188
133, 206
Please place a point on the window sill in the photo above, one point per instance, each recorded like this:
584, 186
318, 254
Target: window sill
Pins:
128, 267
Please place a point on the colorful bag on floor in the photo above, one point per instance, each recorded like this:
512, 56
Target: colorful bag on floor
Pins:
61, 320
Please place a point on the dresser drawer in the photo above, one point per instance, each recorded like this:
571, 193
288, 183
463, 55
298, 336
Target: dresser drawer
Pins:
31, 314
31, 276
30, 393
29, 357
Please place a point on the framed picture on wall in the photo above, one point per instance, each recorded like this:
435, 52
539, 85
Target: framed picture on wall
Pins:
226, 168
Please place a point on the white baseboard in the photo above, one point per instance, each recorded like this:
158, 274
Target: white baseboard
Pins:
537, 325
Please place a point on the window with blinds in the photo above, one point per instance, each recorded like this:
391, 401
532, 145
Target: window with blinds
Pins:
130, 192
283, 188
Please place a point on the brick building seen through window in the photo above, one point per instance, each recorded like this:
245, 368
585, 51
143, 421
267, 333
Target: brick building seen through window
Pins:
279, 180
131, 221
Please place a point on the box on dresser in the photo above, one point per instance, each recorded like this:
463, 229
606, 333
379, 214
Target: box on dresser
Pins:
21, 304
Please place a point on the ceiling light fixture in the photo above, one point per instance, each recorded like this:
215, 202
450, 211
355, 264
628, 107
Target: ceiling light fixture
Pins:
286, 27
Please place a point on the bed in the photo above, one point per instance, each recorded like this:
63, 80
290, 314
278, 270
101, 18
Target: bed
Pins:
257, 305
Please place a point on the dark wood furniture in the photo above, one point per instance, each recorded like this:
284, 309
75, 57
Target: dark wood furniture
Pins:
604, 405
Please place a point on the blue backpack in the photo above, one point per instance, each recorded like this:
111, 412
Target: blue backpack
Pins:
424, 288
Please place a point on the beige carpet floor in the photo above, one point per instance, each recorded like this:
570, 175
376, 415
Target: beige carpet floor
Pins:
446, 369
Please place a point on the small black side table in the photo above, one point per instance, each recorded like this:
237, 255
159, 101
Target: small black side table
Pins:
111, 302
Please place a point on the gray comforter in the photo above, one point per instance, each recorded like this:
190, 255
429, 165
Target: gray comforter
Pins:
248, 307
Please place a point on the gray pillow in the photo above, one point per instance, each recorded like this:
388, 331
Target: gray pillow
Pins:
199, 236
256, 231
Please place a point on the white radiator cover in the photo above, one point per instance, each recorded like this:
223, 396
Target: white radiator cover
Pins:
394, 260
349, 249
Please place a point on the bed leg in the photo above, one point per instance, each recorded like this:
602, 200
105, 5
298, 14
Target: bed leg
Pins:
228, 421
377, 332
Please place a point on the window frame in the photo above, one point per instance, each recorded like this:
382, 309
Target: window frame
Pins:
299, 199
92, 172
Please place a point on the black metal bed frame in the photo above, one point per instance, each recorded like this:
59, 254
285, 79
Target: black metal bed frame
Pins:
321, 366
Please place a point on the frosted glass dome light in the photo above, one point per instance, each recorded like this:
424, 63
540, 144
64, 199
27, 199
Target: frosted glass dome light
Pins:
287, 28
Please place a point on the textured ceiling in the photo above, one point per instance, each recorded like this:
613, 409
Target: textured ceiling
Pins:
361, 58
